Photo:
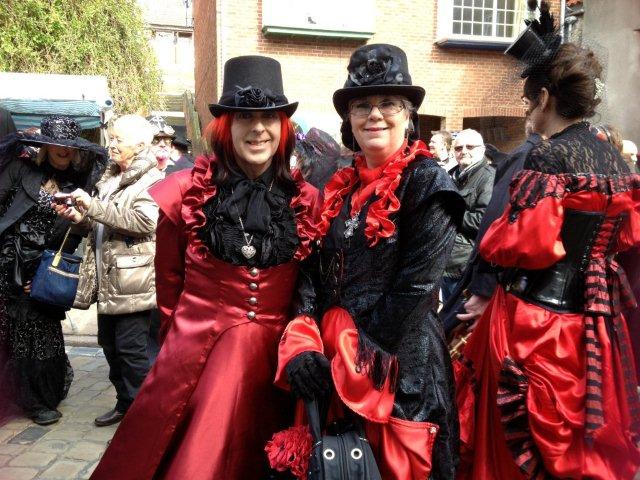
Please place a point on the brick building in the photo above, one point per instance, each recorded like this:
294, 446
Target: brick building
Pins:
454, 49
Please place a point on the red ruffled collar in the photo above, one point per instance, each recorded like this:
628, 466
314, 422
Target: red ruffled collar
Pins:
381, 181
202, 189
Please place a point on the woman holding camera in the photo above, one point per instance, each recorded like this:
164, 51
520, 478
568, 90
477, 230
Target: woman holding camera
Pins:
31, 341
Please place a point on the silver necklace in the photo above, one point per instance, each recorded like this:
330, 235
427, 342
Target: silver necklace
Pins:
248, 250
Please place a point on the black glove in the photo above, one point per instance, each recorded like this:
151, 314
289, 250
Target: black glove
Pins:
309, 375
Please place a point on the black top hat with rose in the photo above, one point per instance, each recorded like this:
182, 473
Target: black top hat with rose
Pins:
377, 69
252, 83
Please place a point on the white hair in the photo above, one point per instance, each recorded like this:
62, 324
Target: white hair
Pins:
135, 129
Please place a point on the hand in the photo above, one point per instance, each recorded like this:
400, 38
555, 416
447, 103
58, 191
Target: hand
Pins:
27, 288
475, 307
70, 213
82, 199
309, 375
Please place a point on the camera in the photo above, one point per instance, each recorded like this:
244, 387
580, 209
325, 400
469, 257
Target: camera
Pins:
64, 200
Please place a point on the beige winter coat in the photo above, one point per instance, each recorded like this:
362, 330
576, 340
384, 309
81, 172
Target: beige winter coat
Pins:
127, 280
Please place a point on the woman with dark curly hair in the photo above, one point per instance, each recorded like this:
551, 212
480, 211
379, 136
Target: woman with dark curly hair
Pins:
546, 384
31, 332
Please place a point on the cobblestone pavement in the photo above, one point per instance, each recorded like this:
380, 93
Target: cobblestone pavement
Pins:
69, 449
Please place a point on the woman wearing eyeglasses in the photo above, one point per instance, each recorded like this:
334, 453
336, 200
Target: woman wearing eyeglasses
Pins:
386, 229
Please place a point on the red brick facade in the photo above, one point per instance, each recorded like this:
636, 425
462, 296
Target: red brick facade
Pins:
461, 84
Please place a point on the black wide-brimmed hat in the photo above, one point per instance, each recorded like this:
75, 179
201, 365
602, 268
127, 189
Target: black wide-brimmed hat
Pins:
59, 130
377, 69
252, 83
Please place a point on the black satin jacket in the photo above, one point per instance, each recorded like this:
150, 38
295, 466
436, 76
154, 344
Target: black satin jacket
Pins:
391, 291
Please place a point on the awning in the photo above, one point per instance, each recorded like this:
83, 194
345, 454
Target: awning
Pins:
29, 113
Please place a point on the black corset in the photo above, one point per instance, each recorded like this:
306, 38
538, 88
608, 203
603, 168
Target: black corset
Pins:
560, 288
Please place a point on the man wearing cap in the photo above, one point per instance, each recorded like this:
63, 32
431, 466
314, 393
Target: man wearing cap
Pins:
162, 144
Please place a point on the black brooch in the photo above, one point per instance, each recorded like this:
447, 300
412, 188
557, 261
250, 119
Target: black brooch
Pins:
251, 97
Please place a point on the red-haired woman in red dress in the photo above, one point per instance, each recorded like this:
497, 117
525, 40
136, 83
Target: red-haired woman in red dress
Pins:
546, 387
230, 241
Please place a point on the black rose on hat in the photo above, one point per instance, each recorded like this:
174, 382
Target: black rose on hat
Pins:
254, 98
252, 83
371, 72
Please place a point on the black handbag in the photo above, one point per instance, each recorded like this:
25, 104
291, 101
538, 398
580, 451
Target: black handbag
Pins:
56, 280
342, 453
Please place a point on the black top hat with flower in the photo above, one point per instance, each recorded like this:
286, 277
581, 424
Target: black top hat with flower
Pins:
252, 83
60, 130
377, 69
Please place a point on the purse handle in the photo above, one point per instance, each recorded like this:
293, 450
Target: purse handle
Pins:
58, 256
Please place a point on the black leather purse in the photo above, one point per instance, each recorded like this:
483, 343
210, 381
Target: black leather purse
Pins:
342, 453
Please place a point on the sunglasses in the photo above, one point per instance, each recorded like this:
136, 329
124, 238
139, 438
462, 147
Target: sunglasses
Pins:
458, 148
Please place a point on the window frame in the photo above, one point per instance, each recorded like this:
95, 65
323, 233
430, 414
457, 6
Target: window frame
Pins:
446, 38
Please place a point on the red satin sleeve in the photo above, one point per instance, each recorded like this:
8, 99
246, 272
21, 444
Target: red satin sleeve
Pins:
301, 335
532, 240
171, 243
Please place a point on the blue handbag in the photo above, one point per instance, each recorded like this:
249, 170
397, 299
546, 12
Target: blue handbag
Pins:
56, 280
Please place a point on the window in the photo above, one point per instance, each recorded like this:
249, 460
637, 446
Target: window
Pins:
497, 21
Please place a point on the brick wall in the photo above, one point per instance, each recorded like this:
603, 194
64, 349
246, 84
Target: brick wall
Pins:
459, 83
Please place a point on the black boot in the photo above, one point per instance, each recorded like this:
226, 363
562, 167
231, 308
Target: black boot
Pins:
109, 418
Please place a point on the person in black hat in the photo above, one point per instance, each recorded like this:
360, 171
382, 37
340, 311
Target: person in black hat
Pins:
233, 235
546, 383
387, 226
34, 368
180, 155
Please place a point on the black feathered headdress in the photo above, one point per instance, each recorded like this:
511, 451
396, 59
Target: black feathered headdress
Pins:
538, 44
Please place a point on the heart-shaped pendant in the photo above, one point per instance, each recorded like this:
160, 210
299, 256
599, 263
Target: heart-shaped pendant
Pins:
248, 251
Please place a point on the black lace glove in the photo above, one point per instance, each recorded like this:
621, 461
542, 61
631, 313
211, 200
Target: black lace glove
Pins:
309, 375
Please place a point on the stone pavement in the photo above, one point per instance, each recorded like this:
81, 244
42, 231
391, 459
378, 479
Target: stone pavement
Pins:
70, 449
80, 327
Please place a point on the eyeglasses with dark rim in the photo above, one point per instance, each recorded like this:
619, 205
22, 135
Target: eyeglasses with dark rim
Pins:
458, 148
165, 140
386, 108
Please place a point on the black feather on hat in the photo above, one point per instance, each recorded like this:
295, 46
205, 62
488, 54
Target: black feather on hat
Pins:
538, 44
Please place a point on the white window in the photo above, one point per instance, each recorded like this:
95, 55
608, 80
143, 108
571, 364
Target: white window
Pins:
493, 21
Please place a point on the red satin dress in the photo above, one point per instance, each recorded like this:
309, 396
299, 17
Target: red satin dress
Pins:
208, 405
543, 394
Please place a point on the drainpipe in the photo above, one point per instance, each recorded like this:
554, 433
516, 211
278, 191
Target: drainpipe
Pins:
563, 7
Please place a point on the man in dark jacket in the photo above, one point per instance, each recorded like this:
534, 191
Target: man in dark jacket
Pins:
480, 278
474, 178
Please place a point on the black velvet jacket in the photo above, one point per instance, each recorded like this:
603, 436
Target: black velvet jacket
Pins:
391, 291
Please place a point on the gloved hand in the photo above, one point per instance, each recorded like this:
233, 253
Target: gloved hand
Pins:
309, 375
